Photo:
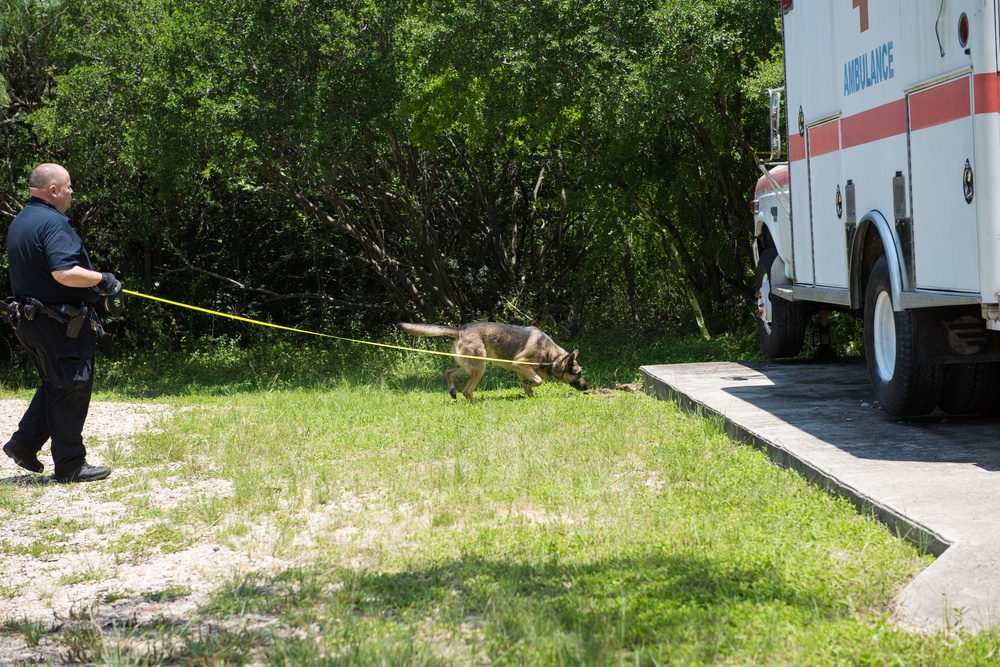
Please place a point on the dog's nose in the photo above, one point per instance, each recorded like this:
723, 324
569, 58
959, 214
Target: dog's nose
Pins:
579, 383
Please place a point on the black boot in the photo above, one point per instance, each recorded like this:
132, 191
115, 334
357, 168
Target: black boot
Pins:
85, 473
22, 457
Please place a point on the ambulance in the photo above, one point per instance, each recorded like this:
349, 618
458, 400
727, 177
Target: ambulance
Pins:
888, 206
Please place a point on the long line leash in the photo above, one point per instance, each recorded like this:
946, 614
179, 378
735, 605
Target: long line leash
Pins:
323, 335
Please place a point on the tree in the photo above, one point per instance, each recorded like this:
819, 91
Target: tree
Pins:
432, 158
27, 32
651, 107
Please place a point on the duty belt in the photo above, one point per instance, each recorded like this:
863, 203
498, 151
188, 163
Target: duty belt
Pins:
74, 317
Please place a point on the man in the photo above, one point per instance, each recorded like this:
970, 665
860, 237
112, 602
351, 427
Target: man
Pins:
53, 282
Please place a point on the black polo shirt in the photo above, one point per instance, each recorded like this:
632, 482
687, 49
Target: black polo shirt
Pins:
40, 241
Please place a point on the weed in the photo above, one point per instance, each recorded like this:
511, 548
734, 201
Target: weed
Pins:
240, 595
168, 594
89, 573
115, 596
31, 630
82, 641
44, 546
209, 510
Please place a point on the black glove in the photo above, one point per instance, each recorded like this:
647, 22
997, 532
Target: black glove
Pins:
109, 284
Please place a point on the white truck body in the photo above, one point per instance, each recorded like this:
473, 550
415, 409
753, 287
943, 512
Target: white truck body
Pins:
893, 144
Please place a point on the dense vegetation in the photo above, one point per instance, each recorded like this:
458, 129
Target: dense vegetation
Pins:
348, 163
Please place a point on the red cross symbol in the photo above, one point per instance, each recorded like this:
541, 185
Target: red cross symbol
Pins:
863, 4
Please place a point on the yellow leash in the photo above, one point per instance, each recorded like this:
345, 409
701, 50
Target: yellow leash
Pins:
323, 335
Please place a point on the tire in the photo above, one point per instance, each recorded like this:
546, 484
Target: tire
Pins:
971, 389
902, 386
780, 323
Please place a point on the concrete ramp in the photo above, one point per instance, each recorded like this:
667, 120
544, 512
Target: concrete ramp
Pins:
934, 480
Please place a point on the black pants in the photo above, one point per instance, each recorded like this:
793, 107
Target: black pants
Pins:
60, 405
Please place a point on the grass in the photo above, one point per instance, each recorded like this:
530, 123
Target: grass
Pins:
605, 528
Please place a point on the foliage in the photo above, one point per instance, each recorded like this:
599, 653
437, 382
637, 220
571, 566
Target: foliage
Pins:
28, 32
353, 162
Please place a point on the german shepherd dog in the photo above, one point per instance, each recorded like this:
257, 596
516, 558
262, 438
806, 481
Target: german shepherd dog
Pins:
504, 341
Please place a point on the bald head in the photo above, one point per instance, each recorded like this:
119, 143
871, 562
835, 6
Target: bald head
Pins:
51, 182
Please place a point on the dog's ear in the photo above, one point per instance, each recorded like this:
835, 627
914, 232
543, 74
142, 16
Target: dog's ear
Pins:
566, 363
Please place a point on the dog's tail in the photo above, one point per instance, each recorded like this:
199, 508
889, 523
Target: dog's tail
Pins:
428, 330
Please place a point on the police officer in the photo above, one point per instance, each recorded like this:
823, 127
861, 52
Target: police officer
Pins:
51, 275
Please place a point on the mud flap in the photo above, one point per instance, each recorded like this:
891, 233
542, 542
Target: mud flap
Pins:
953, 336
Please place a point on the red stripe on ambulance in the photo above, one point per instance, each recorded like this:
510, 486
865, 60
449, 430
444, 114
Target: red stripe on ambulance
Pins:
935, 106
824, 139
796, 148
987, 93
881, 122
940, 104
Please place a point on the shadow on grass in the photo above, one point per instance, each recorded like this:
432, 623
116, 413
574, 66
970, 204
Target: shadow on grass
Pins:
27, 480
702, 604
620, 604
657, 592
703, 607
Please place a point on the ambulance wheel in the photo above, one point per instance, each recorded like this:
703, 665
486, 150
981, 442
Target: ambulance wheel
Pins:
780, 323
902, 386
971, 389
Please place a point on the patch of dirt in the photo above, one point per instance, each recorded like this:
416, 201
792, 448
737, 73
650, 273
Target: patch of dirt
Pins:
627, 388
73, 578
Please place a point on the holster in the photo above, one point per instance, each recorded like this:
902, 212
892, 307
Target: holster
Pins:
73, 318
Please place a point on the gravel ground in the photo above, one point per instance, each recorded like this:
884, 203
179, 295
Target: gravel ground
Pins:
87, 584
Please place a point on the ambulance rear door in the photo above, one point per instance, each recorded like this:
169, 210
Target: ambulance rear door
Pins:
941, 134
823, 146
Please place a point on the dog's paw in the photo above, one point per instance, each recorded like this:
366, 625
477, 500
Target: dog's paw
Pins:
454, 394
